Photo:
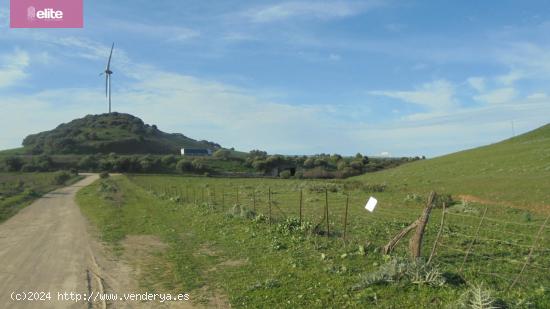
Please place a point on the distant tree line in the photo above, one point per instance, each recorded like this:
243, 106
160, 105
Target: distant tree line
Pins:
223, 161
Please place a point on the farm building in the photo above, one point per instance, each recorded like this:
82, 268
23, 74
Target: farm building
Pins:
196, 152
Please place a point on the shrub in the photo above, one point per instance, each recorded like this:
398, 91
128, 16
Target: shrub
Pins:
477, 297
184, 166
103, 175
197, 165
61, 177
292, 225
168, 160
223, 154
88, 163
13, 164
27, 168
399, 269
443, 198
285, 174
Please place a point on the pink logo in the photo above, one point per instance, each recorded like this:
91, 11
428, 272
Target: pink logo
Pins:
46, 14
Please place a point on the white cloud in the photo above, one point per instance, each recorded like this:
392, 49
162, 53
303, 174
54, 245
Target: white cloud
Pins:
497, 96
436, 95
304, 9
510, 78
12, 68
478, 83
437, 134
537, 96
168, 33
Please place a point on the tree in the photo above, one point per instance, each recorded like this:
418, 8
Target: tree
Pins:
257, 153
184, 166
309, 162
197, 165
13, 164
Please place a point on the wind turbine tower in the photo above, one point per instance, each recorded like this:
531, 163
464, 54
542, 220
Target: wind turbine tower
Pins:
108, 73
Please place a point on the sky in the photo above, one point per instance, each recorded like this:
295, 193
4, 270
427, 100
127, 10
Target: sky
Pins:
380, 77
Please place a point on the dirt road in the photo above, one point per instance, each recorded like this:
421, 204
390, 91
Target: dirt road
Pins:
45, 248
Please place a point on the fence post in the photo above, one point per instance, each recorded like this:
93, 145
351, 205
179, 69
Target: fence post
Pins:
415, 243
269, 202
528, 260
254, 199
473, 241
346, 217
301, 192
326, 212
438, 234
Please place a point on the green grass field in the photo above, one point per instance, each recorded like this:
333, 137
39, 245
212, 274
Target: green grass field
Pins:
220, 240
212, 247
19, 189
514, 172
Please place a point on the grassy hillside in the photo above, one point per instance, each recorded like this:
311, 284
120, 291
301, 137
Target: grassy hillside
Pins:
107, 133
17, 190
513, 172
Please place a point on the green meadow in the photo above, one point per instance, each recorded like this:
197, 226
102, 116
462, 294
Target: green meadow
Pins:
18, 190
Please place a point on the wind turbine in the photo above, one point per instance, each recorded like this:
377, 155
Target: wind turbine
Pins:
108, 73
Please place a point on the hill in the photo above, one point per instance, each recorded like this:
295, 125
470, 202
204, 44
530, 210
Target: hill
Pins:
109, 133
514, 172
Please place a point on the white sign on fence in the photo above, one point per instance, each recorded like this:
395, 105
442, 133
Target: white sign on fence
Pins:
371, 204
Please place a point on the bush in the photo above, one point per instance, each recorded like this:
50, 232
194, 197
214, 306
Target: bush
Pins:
61, 177
197, 165
477, 296
184, 166
88, 163
13, 164
104, 175
223, 154
285, 174
399, 269
443, 198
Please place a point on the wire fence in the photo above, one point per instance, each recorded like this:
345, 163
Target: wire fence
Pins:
507, 253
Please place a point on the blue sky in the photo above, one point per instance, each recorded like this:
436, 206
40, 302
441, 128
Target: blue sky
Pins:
292, 77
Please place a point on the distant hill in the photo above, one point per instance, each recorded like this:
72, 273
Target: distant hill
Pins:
109, 133
514, 172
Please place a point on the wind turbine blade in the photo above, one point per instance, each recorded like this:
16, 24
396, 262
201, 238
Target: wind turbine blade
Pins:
106, 83
110, 56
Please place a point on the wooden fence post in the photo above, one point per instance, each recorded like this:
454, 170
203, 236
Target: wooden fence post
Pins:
269, 202
528, 260
301, 193
326, 212
436, 242
346, 217
473, 241
415, 243
254, 199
